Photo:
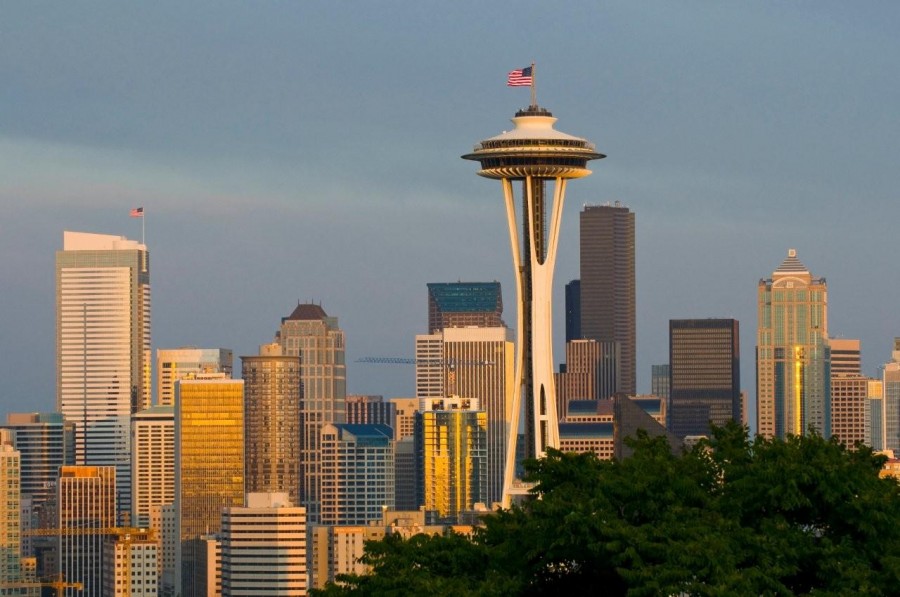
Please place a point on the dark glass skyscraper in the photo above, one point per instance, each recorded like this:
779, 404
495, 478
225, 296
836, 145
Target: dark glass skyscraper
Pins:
705, 377
464, 304
607, 283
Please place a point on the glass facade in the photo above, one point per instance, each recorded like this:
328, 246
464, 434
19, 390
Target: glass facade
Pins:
451, 443
793, 357
209, 464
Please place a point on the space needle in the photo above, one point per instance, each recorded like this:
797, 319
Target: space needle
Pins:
543, 160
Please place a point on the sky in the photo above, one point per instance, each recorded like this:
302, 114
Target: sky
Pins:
309, 151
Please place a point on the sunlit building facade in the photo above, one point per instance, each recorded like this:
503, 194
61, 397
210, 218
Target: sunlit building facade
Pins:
264, 547
86, 498
357, 472
793, 360
209, 466
173, 364
309, 333
272, 428
153, 461
10, 512
451, 443
103, 347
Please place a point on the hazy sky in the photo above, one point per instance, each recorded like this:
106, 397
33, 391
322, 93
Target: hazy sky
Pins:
289, 151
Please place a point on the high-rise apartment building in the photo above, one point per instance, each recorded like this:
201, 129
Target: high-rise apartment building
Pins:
357, 473
152, 461
10, 511
309, 333
479, 363
46, 441
86, 498
608, 310
103, 347
464, 304
264, 547
705, 375
173, 364
209, 466
451, 443
130, 563
793, 379
272, 428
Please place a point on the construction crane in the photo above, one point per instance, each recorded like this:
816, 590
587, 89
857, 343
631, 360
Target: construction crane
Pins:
124, 534
59, 585
450, 363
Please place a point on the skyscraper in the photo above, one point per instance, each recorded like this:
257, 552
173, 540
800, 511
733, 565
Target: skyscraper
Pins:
591, 372
478, 363
86, 498
451, 444
209, 466
573, 310
849, 392
272, 429
103, 347
464, 304
173, 364
309, 333
357, 473
890, 405
607, 283
10, 502
792, 356
153, 461
705, 375
533, 153
264, 547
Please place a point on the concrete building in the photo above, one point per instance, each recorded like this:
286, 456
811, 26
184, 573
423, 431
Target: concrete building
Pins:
608, 307
533, 153
264, 547
272, 424
464, 304
793, 378
308, 332
406, 409
357, 472
705, 375
130, 564
451, 444
209, 466
103, 347
86, 497
591, 425
152, 461
173, 364
10, 511
849, 392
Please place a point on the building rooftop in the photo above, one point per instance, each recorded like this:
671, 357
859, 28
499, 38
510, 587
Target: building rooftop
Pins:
791, 264
307, 312
466, 297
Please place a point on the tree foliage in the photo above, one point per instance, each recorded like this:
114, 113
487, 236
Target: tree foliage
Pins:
732, 516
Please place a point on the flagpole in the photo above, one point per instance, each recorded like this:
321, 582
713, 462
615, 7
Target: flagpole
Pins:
533, 79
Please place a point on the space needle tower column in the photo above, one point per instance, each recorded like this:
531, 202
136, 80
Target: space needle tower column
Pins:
535, 154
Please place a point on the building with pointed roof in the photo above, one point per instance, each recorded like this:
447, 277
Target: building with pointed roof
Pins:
793, 362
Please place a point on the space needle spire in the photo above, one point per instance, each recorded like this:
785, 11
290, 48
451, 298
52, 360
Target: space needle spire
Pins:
542, 159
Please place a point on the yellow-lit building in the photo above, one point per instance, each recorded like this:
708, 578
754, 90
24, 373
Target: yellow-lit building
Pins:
451, 438
209, 465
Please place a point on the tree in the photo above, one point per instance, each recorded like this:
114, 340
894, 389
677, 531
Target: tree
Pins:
732, 516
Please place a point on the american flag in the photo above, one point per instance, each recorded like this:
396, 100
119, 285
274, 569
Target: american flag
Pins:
519, 78
137, 212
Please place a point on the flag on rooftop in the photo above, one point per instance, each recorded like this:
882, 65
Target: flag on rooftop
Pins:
519, 78
137, 212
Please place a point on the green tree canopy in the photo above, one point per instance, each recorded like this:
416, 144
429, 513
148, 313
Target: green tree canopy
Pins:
730, 517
